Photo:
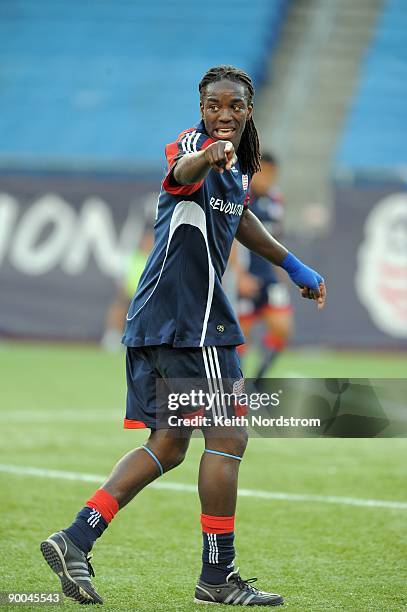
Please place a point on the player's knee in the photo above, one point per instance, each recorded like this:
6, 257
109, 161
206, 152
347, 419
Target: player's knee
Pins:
285, 330
282, 326
174, 457
240, 442
277, 338
170, 451
235, 444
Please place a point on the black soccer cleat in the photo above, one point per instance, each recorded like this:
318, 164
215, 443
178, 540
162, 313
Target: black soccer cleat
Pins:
72, 567
235, 592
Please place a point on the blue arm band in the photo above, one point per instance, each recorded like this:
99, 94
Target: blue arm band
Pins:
291, 263
300, 274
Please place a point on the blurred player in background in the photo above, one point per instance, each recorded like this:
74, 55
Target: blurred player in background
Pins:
263, 293
133, 269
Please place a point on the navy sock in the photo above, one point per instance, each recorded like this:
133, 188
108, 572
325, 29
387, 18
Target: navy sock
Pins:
86, 528
217, 557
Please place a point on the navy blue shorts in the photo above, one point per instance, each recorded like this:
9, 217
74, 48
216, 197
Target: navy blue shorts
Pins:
158, 375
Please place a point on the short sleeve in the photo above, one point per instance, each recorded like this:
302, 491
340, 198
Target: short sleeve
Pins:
190, 141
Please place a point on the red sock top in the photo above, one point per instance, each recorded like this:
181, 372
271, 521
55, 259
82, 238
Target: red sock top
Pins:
104, 503
217, 524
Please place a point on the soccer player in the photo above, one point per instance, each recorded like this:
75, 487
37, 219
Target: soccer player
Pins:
180, 325
268, 302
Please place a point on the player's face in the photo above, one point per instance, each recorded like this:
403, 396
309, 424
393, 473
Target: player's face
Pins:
263, 180
225, 110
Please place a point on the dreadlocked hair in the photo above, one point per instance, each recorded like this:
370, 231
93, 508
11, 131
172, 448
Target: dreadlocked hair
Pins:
249, 147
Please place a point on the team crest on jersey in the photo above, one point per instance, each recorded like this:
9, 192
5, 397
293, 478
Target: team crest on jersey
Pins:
245, 181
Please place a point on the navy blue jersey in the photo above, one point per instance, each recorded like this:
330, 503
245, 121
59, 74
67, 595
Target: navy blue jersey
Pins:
269, 209
179, 299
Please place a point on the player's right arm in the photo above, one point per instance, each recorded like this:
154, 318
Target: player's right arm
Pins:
194, 167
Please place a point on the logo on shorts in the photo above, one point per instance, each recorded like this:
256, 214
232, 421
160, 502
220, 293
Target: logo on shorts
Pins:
220, 328
238, 387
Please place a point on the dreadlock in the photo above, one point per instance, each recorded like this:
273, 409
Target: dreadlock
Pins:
249, 148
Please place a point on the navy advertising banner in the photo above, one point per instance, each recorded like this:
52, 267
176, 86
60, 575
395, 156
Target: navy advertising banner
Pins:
63, 244
364, 261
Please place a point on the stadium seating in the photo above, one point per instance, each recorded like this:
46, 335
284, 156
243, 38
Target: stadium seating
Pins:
375, 133
106, 84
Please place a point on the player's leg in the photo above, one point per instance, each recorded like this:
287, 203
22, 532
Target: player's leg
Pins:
163, 451
67, 551
276, 313
218, 478
217, 485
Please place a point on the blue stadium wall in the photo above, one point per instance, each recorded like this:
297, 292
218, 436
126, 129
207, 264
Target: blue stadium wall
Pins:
366, 257
89, 96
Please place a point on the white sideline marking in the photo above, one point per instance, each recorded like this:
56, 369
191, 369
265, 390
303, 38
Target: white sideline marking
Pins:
178, 486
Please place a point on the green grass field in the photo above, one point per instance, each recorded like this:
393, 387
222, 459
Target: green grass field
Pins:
62, 409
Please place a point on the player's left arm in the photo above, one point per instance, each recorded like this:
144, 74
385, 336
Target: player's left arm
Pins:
254, 236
